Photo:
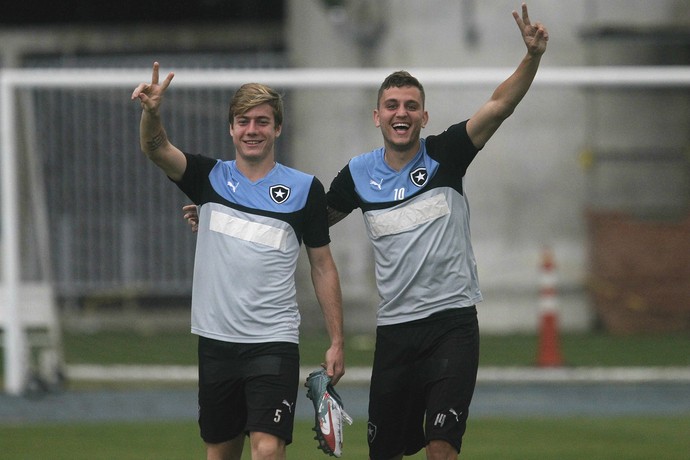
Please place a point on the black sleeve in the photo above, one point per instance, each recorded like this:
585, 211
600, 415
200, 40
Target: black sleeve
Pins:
453, 148
316, 228
195, 178
342, 196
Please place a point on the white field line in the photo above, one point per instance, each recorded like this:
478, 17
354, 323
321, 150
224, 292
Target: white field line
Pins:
362, 375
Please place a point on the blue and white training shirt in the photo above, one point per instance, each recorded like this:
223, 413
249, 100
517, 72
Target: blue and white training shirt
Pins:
418, 222
247, 248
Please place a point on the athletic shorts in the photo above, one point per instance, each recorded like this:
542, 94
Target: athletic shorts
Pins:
423, 378
245, 387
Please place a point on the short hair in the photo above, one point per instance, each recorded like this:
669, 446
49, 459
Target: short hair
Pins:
251, 95
399, 79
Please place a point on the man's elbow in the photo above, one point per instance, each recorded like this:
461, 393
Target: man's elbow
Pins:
502, 110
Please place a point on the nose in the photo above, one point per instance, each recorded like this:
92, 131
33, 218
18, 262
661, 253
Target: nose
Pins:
251, 126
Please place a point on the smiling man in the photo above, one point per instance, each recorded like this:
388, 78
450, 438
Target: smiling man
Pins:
253, 215
412, 195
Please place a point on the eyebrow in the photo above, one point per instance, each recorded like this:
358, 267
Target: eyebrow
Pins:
258, 118
399, 101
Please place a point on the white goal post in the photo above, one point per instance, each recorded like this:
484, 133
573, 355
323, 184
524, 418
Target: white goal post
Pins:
12, 80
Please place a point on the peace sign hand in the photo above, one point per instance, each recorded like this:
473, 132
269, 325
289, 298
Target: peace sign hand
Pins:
151, 94
535, 35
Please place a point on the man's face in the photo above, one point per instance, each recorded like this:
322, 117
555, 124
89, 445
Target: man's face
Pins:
254, 133
401, 116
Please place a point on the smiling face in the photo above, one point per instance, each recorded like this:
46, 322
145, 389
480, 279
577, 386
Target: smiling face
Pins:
401, 116
254, 133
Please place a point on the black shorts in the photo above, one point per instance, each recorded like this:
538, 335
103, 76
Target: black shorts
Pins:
246, 387
422, 368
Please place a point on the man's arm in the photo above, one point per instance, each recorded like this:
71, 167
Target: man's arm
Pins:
324, 276
484, 123
335, 216
153, 139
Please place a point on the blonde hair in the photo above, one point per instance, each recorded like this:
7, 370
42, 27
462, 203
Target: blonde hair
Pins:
251, 95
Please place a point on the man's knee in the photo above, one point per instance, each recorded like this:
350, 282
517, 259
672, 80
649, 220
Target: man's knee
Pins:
267, 446
440, 450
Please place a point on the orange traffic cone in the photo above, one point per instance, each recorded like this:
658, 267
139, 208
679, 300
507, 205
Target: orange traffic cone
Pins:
549, 352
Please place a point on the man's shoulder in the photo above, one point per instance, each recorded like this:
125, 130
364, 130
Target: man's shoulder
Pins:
293, 176
366, 159
456, 130
293, 172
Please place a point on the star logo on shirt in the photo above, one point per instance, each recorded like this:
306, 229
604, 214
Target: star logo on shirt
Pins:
279, 193
371, 431
419, 176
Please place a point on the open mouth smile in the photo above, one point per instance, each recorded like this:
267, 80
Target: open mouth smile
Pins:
401, 127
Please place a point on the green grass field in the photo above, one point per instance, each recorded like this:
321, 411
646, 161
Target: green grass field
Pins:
629, 438
634, 438
496, 350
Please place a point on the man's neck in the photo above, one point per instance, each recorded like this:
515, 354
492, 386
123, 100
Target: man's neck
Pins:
397, 159
255, 171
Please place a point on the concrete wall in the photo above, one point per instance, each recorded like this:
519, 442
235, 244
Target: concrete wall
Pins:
527, 188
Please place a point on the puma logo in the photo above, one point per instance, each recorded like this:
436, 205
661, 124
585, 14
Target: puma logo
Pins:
289, 406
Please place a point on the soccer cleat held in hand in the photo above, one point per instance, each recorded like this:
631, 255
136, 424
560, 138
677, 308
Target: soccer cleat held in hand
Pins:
329, 413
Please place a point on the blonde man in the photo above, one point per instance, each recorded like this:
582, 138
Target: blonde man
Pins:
253, 215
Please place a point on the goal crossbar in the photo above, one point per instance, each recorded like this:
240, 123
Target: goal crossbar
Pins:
599, 76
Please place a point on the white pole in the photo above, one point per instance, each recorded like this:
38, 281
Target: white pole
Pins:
559, 77
15, 342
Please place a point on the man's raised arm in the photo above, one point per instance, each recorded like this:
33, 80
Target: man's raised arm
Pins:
484, 123
153, 139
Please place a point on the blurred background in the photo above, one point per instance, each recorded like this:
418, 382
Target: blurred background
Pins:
595, 176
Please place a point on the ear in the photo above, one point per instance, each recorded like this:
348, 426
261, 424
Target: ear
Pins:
425, 119
230, 129
279, 129
377, 122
